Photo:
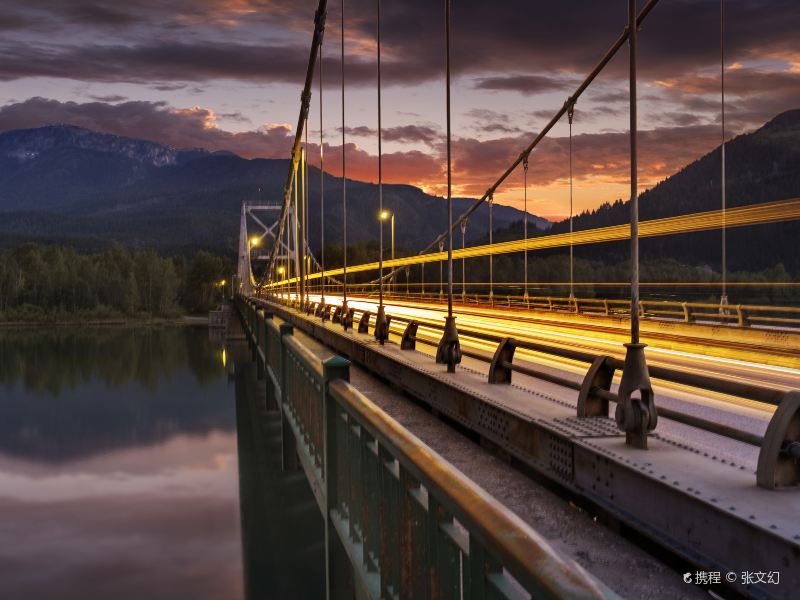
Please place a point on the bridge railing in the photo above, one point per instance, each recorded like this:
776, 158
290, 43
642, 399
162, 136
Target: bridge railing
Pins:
410, 523
736, 315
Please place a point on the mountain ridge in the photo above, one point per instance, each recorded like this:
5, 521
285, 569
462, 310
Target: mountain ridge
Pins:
62, 182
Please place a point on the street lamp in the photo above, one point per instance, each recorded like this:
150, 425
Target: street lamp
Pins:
281, 271
381, 323
254, 241
385, 215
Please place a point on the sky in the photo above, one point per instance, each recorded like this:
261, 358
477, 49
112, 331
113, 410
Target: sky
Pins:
227, 75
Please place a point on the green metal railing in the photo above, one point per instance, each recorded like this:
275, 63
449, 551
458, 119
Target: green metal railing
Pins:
408, 523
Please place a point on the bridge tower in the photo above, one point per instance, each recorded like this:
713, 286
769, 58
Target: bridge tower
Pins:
254, 246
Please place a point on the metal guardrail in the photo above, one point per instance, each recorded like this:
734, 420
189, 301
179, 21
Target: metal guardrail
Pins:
778, 464
736, 315
411, 524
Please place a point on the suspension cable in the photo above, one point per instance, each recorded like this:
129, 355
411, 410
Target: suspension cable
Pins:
464, 262
570, 115
344, 191
304, 218
525, 221
724, 297
634, 204
380, 166
491, 256
305, 99
449, 173
610, 53
321, 187
297, 228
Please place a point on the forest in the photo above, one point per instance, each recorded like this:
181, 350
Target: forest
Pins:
53, 282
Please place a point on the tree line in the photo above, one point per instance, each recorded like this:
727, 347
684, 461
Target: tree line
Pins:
53, 281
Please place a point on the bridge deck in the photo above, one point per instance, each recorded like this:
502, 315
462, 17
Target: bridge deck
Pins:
681, 493
620, 564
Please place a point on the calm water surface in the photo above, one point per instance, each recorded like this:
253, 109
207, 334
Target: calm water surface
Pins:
121, 471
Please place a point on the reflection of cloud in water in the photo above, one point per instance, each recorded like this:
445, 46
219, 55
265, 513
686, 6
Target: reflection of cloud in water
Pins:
153, 523
184, 465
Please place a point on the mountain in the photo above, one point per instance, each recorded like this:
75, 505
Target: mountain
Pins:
761, 166
71, 185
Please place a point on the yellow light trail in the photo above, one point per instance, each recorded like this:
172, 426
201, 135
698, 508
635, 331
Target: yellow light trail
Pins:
493, 321
757, 214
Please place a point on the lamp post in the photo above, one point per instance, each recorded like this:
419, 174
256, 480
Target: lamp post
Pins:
381, 324
281, 271
385, 215
464, 262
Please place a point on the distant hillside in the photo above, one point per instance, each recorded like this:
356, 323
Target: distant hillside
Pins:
762, 166
71, 185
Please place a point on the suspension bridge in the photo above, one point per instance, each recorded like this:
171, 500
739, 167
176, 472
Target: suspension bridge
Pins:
698, 463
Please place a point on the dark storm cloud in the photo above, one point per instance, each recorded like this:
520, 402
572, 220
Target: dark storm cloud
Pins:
155, 61
528, 39
401, 133
527, 84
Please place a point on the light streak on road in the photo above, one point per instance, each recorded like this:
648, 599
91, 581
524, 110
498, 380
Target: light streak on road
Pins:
501, 323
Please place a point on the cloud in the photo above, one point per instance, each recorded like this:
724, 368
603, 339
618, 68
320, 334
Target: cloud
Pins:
601, 158
156, 121
197, 127
401, 133
526, 84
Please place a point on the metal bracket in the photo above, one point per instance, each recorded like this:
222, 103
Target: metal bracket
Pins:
381, 326
779, 458
449, 350
500, 369
636, 416
409, 339
363, 322
598, 377
347, 318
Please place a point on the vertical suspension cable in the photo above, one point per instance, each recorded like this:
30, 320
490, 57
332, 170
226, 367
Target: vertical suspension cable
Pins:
296, 231
303, 218
344, 193
634, 190
381, 324
288, 265
570, 114
724, 296
464, 262
449, 173
491, 256
441, 272
321, 189
380, 167
449, 350
306, 240
525, 223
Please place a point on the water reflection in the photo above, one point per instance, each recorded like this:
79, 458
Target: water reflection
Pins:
118, 466
72, 393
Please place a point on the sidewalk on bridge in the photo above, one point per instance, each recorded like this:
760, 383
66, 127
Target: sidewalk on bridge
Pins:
620, 564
